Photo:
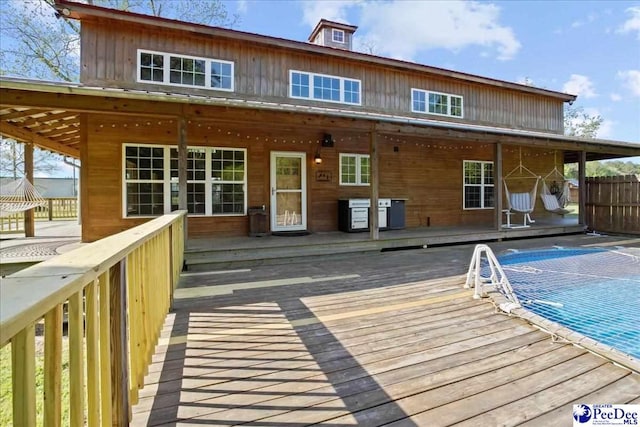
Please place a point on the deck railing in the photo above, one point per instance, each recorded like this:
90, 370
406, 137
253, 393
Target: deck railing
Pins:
56, 208
118, 291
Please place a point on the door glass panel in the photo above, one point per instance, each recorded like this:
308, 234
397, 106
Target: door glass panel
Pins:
288, 173
289, 209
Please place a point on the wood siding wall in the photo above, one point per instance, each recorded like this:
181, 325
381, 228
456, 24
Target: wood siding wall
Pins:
427, 172
109, 58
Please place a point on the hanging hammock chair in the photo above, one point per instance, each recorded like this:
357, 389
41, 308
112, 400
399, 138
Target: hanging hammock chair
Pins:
19, 196
522, 202
553, 197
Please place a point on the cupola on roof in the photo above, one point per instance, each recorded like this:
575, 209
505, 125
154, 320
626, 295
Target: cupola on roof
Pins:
333, 34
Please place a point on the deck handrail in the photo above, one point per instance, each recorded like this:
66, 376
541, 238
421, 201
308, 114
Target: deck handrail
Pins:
56, 208
118, 290
497, 279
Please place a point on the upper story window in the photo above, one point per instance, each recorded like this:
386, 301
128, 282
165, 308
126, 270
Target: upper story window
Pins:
322, 87
182, 70
337, 35
443, 104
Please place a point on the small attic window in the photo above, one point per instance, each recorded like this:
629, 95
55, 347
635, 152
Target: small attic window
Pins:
337, 35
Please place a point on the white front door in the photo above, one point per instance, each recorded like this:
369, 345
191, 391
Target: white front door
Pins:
288, 191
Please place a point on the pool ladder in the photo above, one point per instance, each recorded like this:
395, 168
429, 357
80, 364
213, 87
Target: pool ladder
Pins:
496, 280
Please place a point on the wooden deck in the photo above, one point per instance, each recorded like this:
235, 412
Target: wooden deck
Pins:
205, 254
380, 339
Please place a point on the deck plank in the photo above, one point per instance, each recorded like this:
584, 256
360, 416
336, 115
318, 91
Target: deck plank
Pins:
622, 391
378, 346
551, 398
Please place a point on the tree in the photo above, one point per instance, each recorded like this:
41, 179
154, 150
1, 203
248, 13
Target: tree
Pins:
608, 168
578, 123
12, 160
36, 44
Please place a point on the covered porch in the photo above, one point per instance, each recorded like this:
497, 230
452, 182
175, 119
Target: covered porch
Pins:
93, 124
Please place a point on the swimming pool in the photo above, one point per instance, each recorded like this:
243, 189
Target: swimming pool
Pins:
593, 291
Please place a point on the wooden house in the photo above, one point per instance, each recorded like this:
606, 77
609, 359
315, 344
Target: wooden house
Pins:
171, 114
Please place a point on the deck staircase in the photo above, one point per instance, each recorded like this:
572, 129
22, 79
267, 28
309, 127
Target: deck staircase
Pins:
204, 259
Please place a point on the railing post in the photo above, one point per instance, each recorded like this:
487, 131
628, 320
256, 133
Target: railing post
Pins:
50, 209
119, 359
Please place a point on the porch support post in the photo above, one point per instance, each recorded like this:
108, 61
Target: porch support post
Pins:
29, 222
83, 176
582, 187
374, 231
182, 169
497, 185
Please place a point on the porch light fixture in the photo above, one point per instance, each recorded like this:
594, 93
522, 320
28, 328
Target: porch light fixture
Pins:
317, 159
327, 140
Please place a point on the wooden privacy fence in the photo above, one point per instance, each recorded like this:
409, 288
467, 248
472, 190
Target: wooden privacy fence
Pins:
56, 208
118, 291
613, 204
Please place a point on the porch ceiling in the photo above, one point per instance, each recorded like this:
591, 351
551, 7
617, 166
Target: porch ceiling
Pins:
49, 129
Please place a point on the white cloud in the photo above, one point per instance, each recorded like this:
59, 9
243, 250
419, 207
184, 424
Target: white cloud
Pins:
633, 23
579, 23
242, 6
400, 29
403, 28
333, 10
631, 80
580, 85
615, 97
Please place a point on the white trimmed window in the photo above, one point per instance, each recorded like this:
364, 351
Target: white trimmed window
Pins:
216, 180
442, 104
320, 87
355, 169
182, 70
478, 190
337, 35
144, 178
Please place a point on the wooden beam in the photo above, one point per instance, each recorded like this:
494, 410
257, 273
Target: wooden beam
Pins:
23, 113
56, 133
68, 137
50, 127
16, 98
48, 118
83, 179
182, 168
29, 217
24, 135
497, 185
582, 187
374, 226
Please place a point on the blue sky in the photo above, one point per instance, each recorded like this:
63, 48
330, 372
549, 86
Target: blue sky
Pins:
587, 48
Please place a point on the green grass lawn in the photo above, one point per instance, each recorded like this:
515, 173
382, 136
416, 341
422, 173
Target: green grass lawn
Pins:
573, 207
6, 393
